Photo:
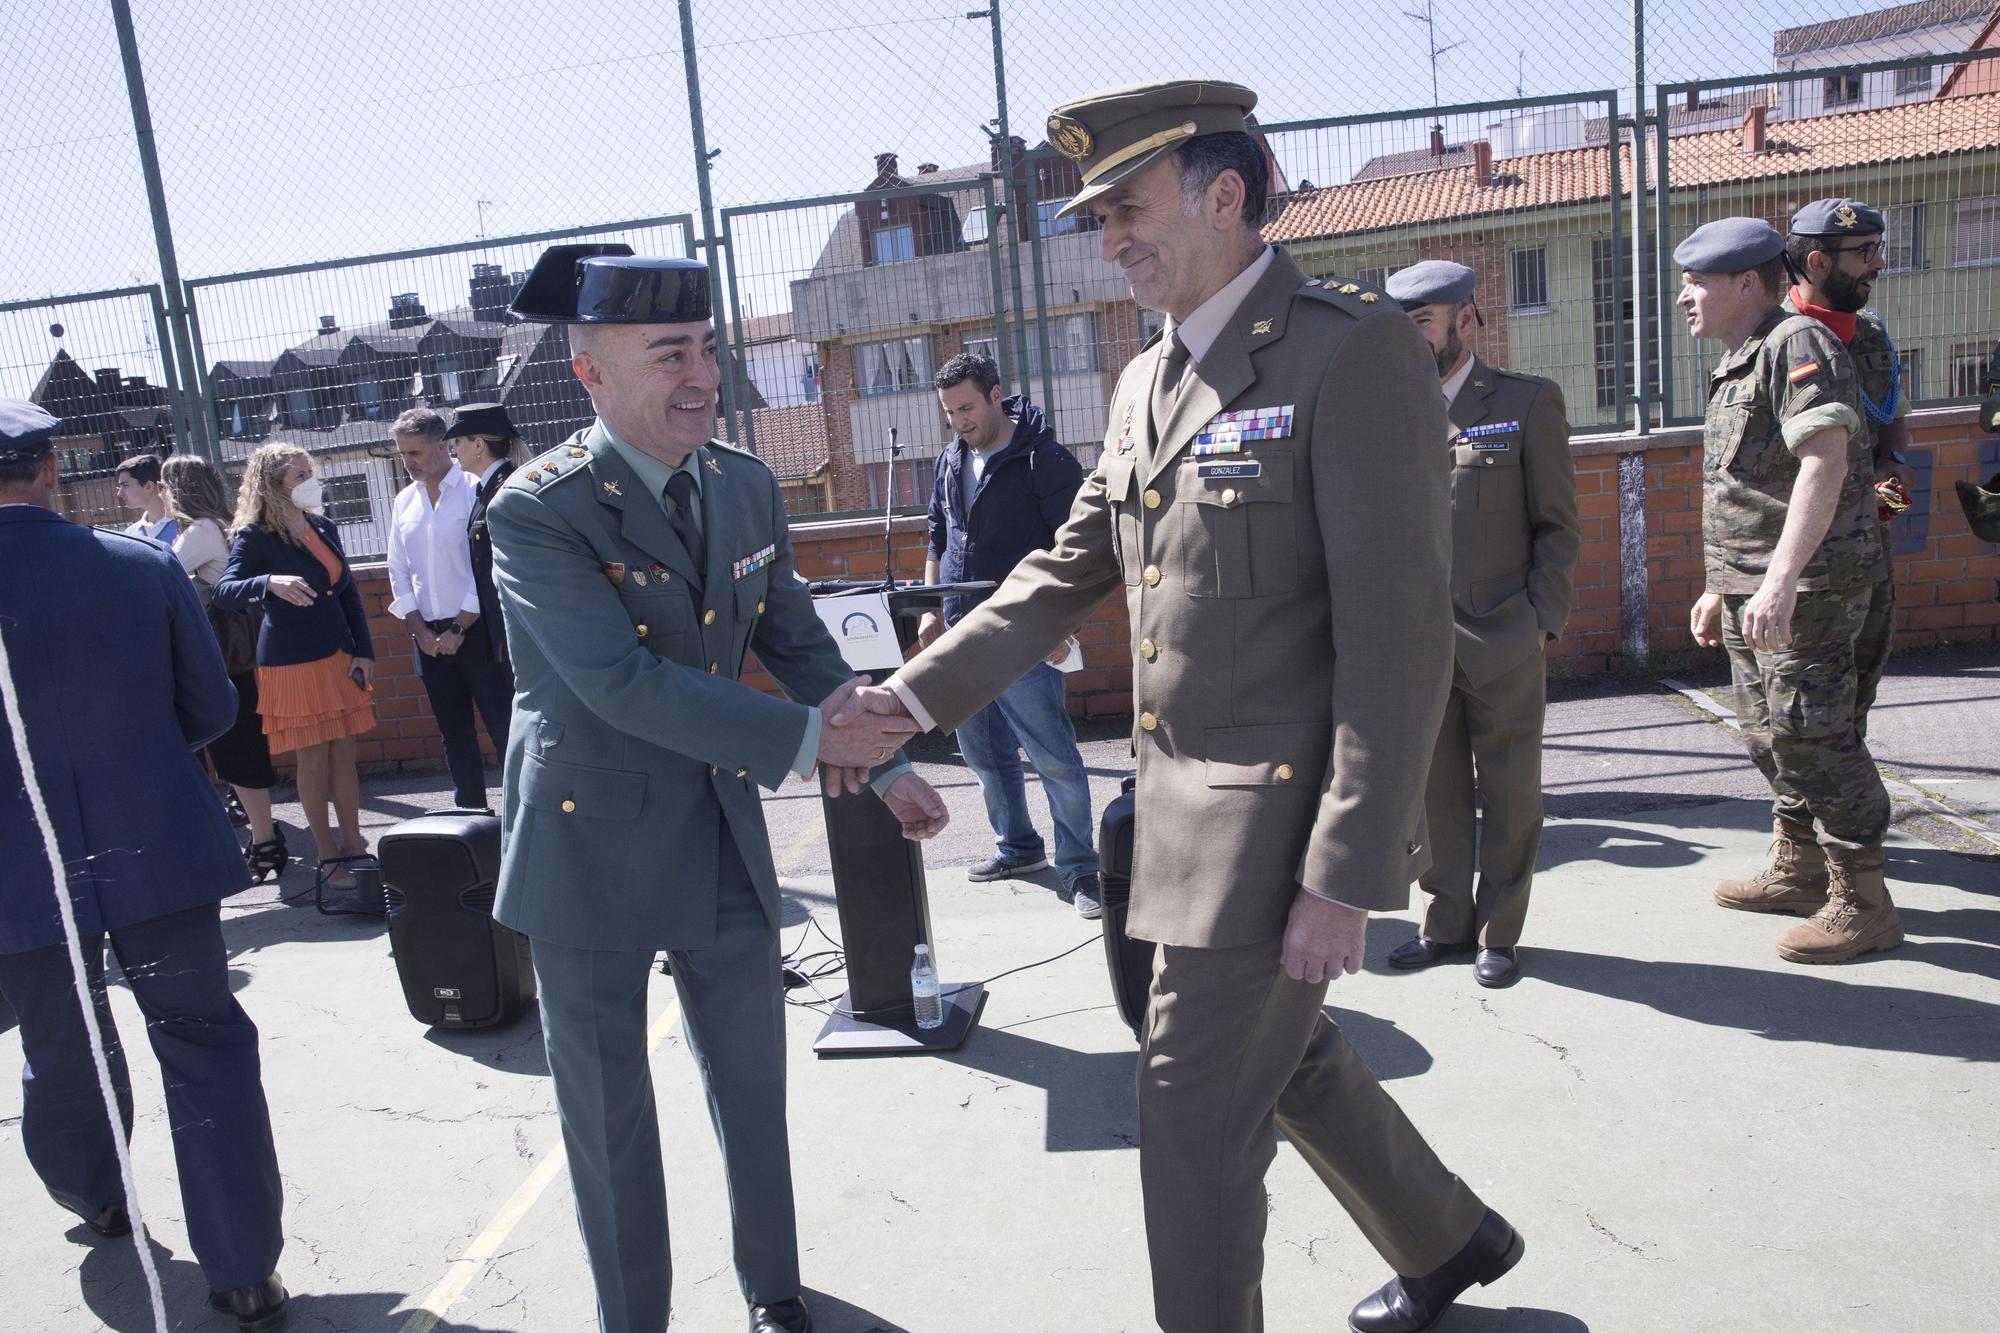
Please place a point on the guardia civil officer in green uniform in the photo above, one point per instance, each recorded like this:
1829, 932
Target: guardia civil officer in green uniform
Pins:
637, 562
1793, 553
1272, 503
1513, 564
1835, 255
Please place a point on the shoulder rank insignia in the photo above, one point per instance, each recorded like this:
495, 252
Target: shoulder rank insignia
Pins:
579, 453
1261, 326
1312, 282
1349, 288
611, 488
1369, 298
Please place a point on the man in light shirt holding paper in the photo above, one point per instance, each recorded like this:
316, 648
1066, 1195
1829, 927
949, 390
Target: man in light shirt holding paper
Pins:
1004, 485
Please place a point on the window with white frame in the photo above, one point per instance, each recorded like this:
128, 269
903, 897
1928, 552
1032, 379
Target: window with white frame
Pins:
1903, 243
1528, 279
895, 365
1968, 370
1976, 239
345, 499
1915, 80
975, 228
892, 244
1843, 89
1074, 338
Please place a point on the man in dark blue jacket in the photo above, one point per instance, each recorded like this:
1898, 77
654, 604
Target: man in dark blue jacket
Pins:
113, 708
1004, 485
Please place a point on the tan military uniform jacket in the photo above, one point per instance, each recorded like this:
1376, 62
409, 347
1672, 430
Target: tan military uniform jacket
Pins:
1513, 519
1290, 607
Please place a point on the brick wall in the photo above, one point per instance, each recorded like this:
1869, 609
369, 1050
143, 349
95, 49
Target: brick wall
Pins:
1948, 581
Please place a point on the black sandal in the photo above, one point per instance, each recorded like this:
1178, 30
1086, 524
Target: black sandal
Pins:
266, 859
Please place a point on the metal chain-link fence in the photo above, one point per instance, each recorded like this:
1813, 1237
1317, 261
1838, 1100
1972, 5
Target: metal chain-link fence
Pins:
327, 175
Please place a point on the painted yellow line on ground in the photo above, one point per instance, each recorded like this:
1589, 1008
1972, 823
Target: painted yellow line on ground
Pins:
468, 1266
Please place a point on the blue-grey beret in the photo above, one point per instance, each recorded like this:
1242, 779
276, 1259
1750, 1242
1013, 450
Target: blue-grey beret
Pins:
1729, 245
1432, 282
26, 432
1838, 217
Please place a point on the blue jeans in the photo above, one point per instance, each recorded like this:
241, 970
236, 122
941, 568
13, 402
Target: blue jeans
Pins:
1030, 716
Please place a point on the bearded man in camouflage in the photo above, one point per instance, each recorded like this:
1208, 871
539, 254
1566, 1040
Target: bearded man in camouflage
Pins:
1793, 553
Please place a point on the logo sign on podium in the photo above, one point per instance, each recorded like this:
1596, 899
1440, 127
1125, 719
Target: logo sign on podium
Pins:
860, 624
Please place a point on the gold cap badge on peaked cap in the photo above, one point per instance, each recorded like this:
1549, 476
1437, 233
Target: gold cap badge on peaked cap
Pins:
1070, 137
1115, 133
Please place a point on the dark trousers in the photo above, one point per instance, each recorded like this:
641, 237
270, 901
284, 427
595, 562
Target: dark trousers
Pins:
207, 1048
455, 684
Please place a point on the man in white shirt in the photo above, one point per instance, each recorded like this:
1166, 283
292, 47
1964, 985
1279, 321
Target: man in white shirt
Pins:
430, 580
139, 489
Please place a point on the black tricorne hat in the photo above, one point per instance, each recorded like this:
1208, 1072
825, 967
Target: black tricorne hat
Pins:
483, 419
608, 284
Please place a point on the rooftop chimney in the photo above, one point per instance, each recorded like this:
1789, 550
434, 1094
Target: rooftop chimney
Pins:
885, 165
491, 291
109, 380
926, 168
1693, 101
1437, 141
327, 324
1753, 128
405, 310
1482, 163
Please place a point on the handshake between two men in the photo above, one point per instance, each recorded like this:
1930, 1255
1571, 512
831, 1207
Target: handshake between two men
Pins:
859, 732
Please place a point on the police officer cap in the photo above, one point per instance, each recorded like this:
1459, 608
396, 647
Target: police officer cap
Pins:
1432, 282
483, 419
26, 431
1114, 134
1729, 245
1837, 217
608, 284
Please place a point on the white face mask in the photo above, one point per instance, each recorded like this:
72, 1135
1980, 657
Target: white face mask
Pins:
306, 495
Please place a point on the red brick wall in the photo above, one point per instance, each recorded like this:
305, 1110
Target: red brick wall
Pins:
1950, 590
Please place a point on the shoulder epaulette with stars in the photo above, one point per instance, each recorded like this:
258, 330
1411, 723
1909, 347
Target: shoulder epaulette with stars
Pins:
1341, 293
545, 467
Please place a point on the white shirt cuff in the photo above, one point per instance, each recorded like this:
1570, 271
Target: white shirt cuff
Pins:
402, 606
908, 697
808, 755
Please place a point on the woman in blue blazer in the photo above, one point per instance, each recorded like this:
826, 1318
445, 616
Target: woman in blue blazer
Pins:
315, 661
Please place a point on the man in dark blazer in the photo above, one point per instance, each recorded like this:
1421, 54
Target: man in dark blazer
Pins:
638, 563
113, 708
1269, 504
485, 441
1513, 563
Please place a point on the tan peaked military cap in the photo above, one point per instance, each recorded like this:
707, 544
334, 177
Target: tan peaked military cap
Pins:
1116, 133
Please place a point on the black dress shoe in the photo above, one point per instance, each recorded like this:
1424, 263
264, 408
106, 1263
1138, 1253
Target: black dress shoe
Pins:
1413, 1304
258, 1309
111, 1224
1421, 952
1496, 967
781, 1317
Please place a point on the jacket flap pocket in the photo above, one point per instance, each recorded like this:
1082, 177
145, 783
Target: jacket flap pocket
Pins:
1269, 756
1117, 472
573, 789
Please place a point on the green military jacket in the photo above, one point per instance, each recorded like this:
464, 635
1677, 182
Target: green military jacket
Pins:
1790, 380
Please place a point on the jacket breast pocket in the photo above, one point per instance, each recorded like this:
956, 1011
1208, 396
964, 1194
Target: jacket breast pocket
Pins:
1238, 535
581, 792
661, 617
1127, 544
1501, 487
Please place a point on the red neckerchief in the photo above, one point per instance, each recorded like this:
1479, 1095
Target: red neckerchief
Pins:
1840, 321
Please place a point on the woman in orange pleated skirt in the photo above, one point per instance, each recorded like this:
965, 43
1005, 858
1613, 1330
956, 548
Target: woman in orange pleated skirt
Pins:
315, 660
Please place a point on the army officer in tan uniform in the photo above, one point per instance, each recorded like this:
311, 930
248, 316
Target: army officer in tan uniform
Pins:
1513, 565
1272, 502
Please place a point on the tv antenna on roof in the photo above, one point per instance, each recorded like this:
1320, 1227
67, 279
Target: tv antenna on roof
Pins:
1428, 17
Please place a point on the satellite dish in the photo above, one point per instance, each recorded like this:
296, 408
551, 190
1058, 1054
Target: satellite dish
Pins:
55, 330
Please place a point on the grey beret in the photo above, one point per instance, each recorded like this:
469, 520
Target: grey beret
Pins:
1838, 217
1729, 245
1432, 282
26, 431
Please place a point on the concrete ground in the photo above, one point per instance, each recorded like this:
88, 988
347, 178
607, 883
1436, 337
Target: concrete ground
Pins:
1691, 1134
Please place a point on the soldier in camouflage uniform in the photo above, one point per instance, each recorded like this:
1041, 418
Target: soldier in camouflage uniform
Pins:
1835, 253
1793, 553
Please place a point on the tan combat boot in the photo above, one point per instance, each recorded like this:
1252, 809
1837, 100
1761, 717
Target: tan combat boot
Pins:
1795, 881
1858, 915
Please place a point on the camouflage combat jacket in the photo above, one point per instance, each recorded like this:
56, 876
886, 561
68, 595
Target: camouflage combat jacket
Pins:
1875, 358
1790, 380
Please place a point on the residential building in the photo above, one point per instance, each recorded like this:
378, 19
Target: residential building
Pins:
106, 418
1927, 27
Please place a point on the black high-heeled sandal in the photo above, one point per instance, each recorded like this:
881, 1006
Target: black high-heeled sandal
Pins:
267, 859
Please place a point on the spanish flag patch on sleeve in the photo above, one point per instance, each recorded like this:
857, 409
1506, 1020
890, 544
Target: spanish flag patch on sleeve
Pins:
1803, 371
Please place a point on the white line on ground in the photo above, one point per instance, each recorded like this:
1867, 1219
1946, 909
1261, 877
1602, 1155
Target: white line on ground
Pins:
469, 1265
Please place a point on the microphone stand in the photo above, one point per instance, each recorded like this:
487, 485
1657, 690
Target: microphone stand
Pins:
889, 519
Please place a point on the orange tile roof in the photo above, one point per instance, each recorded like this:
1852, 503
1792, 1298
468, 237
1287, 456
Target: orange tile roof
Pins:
790, 440
1913, 130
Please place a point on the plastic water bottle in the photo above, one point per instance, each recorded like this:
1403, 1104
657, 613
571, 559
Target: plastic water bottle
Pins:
924, 990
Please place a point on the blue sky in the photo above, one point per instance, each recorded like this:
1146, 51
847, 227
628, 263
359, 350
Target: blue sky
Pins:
291, 131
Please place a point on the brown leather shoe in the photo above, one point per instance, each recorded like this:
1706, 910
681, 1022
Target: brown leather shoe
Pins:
1795, 881
1858, 916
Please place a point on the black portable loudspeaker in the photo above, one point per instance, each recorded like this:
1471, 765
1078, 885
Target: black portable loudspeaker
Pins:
1130, 960
459, 967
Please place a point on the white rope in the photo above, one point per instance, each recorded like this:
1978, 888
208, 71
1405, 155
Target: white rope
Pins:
18, 726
